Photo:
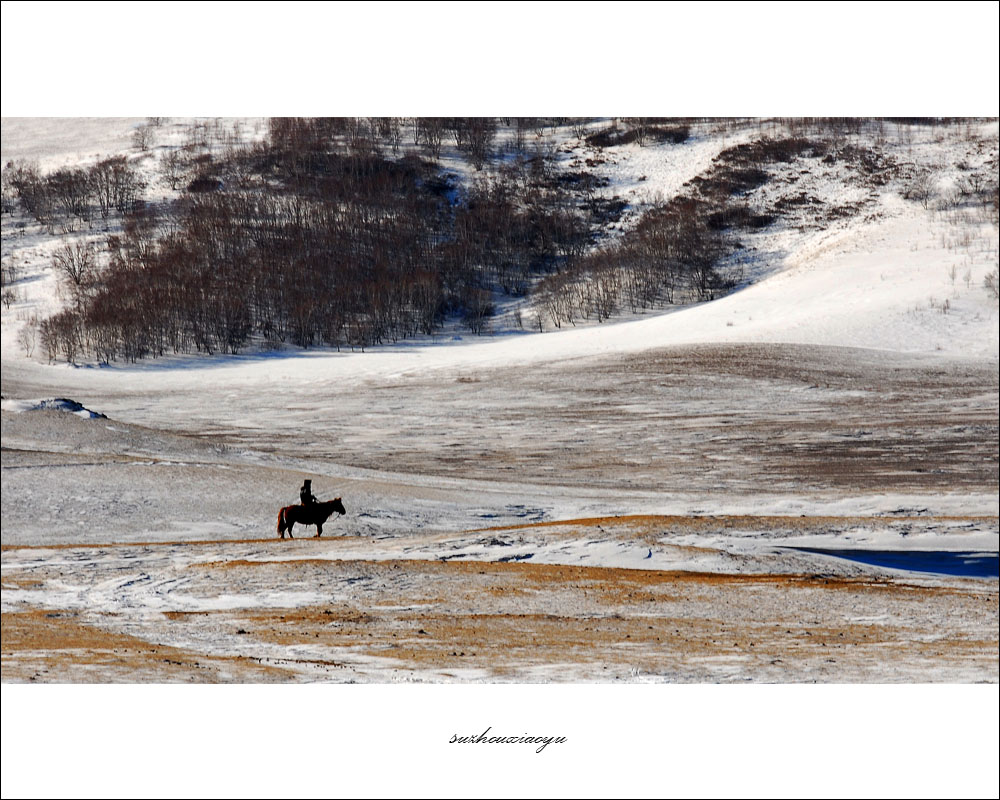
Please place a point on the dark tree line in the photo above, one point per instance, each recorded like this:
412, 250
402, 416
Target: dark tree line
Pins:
316, 237
322, 234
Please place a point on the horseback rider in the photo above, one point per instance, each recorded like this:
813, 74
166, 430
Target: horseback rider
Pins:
305, 493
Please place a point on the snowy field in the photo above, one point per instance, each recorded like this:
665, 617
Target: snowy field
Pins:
795, 482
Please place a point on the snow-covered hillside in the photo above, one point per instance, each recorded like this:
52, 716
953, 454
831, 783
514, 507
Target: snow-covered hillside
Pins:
895, 274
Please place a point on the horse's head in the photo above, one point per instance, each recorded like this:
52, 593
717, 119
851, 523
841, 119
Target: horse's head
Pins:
338, 506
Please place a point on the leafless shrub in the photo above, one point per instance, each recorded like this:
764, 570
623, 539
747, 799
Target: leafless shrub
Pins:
62, 335
429, 133
8, 272
580, 127
920, 188
27, 338
173, 167
142, 138
992, 284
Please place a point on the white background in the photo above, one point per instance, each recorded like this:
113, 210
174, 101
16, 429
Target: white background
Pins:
663, 59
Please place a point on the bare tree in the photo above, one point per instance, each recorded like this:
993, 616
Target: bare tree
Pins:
992, 284
581, 127
9, 271
391, 130
72, 191
920, 188
430, 132
173, 167
27, 337
31, 189
62, 334
474, 136
142, 138
640, 129
116, 185
77, 263
9, 194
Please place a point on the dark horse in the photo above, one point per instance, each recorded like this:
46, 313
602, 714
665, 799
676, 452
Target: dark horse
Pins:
312, 514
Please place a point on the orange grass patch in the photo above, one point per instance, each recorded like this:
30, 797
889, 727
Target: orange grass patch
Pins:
610, 579
58, 645
665, 622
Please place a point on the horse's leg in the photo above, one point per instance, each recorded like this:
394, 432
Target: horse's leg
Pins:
291, 524
319, 529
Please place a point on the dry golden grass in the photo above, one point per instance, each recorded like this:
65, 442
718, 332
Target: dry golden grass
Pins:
523, 621
664, 623
57, 645
22, 581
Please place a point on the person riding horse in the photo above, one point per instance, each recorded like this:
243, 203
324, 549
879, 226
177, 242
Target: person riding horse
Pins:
305, 493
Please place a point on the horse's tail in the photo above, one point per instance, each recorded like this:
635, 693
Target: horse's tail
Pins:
281, 523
